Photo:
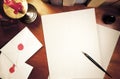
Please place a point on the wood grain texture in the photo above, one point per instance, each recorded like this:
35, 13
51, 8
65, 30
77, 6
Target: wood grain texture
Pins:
95, 3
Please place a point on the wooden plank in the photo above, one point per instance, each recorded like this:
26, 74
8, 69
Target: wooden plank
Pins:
95, 3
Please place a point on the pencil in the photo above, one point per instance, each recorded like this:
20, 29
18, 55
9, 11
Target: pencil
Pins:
100, 67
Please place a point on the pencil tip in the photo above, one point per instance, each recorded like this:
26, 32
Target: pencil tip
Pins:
83, 52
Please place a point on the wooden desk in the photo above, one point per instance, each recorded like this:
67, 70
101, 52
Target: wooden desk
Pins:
39, 60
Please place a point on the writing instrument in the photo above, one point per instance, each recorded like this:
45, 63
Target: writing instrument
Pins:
100, 67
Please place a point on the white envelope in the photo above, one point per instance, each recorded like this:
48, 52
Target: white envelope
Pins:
20, 72
16, 52
22, 46
66, 36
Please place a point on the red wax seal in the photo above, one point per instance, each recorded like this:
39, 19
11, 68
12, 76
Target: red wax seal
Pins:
12, 69
14, 5
20, 46
15, 9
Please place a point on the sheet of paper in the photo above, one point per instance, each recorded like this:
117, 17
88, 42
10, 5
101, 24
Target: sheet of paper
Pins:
22, 46
108, 40
9, 71
66, 36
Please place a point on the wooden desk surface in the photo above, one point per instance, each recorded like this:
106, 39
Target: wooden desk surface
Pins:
39, 60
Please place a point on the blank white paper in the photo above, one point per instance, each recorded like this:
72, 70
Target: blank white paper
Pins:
66, 36
108, 40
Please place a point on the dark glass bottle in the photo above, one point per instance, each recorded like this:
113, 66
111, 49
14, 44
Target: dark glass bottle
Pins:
108, 19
